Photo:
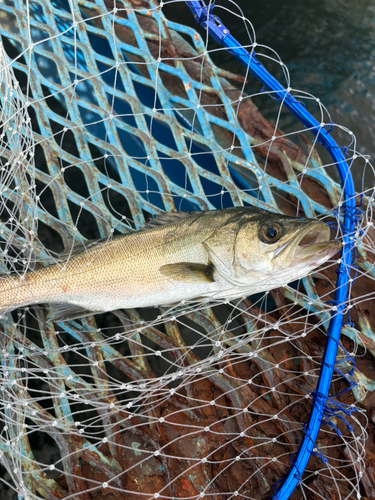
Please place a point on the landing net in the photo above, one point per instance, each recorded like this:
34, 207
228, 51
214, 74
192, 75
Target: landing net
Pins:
112, 114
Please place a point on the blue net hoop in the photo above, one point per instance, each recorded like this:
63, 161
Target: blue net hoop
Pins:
203, 15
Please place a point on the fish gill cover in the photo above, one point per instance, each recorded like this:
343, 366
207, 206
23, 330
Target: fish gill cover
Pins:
110, 115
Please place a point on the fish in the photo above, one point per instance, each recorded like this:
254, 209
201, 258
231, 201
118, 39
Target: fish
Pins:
177, 257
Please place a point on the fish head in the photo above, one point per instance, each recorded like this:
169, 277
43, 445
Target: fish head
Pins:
270, 250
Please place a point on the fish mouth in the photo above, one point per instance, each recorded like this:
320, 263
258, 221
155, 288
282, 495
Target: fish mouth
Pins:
312, 244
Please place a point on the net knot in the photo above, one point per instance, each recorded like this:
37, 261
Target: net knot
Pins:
317, 453
348, 359
337, 304
306, 430
352, 213
332, 408
334, 412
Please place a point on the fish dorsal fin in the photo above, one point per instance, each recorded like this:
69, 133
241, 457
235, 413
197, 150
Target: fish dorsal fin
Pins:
169, 218
68, 312
81, 247
189, 272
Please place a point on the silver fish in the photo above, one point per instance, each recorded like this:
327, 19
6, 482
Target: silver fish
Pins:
222, 254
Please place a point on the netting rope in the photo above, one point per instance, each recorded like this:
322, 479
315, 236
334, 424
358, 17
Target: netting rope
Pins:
203, 15
113, 113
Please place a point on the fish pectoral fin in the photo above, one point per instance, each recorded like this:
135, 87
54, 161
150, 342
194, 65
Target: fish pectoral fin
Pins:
189, 272
68, 312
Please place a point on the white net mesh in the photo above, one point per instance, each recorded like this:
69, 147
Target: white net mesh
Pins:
111, 114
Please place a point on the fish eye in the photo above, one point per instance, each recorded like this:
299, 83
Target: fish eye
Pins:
270, 232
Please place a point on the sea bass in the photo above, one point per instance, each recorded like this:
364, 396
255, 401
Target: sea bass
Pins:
182, 256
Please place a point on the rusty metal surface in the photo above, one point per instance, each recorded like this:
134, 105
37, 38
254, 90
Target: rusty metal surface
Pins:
122, 115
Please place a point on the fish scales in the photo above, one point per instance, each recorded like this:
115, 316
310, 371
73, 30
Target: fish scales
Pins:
226, 253
125, 272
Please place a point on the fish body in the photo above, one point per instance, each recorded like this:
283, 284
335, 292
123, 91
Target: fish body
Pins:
182, 256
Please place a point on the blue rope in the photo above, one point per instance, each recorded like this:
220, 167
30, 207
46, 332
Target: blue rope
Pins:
203, 15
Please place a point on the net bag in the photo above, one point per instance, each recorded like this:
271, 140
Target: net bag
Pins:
112, 115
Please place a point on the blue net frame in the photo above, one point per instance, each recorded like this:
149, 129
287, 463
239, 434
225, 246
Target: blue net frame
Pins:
203, 15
